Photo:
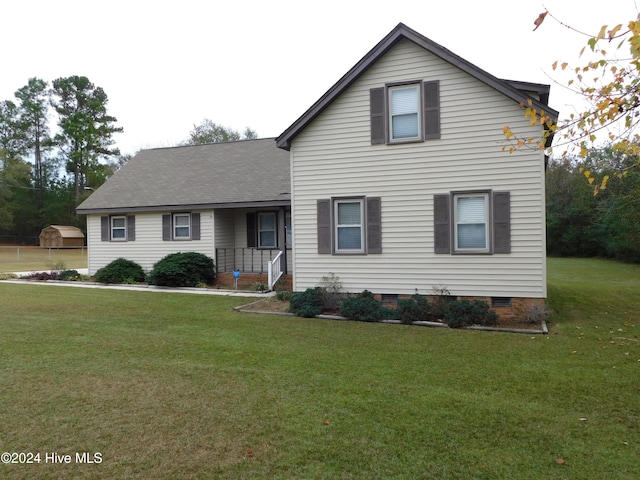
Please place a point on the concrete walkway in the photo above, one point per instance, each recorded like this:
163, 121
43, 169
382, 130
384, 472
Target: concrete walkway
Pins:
137, 288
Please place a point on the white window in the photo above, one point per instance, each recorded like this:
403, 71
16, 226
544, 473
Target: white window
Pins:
471, 216
404, 113
181, 226
267, 230
349, 231
119, 228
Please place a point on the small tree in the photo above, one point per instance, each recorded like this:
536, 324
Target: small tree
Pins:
609, 83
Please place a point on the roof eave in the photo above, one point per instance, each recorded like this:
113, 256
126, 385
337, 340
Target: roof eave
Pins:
168, 208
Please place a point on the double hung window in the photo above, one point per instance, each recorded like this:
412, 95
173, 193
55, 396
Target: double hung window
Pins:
267, 230
404, 112
471, 216
349, 228
119, 228
181, 226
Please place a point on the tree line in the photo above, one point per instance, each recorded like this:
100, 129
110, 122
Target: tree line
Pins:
582, 224
43, 176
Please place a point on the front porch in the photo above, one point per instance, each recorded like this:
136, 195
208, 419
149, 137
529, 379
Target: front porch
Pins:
248, 280
254, 265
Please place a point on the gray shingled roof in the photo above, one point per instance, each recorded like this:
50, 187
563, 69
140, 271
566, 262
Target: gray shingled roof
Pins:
248, 172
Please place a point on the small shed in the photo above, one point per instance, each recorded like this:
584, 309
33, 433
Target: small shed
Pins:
61, 236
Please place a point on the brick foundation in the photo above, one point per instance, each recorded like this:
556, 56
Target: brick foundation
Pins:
519, 306
246, 280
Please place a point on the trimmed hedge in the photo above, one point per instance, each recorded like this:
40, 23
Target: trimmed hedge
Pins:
120, 270
182, 269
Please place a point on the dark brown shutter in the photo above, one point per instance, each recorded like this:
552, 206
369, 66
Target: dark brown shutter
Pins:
376, 99
195, 226
166, 228
324, 226
131, 228
431, 110
251, 231
441, 224
104, 229
374, 225
501, 222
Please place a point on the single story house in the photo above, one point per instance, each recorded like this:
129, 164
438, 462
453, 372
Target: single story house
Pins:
394, 180
229, 201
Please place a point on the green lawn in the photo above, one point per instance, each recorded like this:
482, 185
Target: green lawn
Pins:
25, 259
171, 386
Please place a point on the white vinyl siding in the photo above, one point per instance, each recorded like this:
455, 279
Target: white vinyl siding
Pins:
333, 157
148, 247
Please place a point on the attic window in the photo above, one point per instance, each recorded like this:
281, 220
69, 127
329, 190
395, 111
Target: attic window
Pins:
404, 116
405, 112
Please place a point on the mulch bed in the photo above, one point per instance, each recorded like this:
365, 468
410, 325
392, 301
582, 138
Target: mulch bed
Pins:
273, 305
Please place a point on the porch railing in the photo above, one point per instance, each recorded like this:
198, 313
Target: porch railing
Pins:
247, 260
274, 269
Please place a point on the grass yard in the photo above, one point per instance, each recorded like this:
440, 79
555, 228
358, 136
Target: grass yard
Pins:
25, 259
173, 386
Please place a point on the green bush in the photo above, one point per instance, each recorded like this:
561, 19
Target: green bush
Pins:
306, 304
440, 297
182, 269
463, 313
68, 275
416, 308
120, 270
363, 307
332, 294
284, 295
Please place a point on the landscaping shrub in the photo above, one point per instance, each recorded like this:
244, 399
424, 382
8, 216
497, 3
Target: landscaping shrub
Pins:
120, 270
463, 313
284, 295
363, 307
416, 308
182, 269
306, 304
440, 298
68, 275
42, 276
332, 294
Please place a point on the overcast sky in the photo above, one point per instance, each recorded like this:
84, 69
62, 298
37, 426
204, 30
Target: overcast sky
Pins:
166, 65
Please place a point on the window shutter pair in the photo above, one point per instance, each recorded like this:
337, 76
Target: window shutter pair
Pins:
105, 228
373, 225
167, 227
430, 113
501, 223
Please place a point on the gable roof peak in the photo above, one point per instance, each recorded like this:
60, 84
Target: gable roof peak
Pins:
402, 31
